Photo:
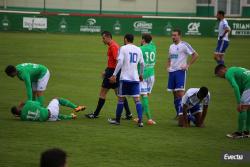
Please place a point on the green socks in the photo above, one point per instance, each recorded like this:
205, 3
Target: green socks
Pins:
146, 107
67, 103
40, 99
241, 120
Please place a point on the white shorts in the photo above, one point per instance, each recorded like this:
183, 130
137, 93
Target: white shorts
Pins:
41, 84
245, 97
53, 107
146, 85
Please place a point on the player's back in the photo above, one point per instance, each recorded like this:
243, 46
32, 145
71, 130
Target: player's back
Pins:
33, 111
35, 71
131, 55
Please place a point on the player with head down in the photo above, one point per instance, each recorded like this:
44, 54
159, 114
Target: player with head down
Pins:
35, 77
194, 107
239, 79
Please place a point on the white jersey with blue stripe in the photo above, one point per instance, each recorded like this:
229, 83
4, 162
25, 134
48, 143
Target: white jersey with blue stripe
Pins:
222, 26
130, 56
178, 55
190, 98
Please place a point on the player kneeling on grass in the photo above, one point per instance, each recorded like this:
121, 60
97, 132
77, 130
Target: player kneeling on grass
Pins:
33, 111
194, 107
239, 79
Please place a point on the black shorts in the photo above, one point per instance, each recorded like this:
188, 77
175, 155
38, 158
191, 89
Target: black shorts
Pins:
106, 83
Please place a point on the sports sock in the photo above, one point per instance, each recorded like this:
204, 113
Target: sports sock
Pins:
145, 107
241, 120
139, 111
119, 109
220, 61
128, 112
67, 103
248, 121
40, 99
99, 106
192, 118
177, 104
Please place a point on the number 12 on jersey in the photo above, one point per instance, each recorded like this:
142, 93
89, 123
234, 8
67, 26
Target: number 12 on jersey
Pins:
133, 57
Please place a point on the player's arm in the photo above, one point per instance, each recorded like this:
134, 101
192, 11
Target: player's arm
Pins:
193, 59
168, 61
118, 66
26, 79
142, 65
226, 30
235, 87
183, 119
203, 116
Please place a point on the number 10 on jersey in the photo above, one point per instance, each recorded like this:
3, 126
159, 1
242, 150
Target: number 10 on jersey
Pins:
133, 57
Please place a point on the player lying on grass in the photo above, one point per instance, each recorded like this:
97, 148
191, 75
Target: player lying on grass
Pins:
194, 107
129, 58
239, 79
33, 111
35, 77
149, 52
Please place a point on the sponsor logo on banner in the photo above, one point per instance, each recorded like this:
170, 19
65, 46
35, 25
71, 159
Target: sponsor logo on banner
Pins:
34, 23
143, 26
5, 23
241, 29
63, 26
117, 27
168, 28
90, 26
193, 28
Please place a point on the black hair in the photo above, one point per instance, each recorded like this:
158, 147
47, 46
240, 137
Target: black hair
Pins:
221, 12
53, 158
10, 69
129, 37
107, 34
218, 68
14, 110
177, 30
203, 92
147, 38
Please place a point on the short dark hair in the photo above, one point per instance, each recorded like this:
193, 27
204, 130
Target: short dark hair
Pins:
203, 91
129, 37
53, 158
147, 38
177, 30
218, 68
10, 69
14, 110
107, 34
221, 12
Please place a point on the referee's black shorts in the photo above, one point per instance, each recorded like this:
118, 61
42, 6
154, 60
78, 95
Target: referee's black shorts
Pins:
106, 83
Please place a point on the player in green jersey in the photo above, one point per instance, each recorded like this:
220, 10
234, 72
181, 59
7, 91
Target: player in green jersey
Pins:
239, 79
146, 86
33, 111
35, 77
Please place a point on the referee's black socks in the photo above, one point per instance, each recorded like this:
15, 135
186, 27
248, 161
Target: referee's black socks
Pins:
99, 106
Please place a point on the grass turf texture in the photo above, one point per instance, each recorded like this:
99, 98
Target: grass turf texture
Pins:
76, 63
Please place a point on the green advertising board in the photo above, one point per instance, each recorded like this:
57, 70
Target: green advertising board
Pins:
118, 25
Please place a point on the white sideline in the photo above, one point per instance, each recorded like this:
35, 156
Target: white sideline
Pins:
197, 18
21, 12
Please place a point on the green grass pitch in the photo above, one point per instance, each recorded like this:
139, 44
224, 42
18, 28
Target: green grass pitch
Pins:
76, 63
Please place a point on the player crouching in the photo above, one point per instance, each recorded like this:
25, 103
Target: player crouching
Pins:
194, 107
33, 111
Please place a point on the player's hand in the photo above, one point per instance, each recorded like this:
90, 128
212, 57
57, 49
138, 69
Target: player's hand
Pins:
141, 78
239, 108
185, 67
103, 74
112, 79
74, 116
221, 37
